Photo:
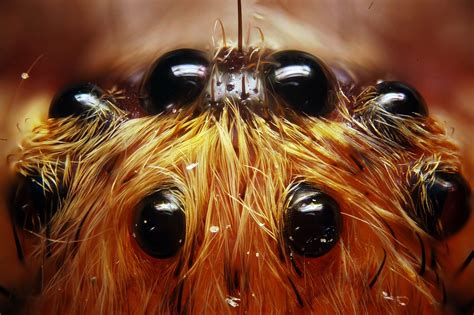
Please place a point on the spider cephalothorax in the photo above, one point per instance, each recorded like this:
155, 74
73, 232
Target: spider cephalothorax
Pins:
282, 194
241, 180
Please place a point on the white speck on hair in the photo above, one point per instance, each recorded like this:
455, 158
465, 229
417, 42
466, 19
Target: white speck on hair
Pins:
257, 254
401, 300
191, 166
25, 75
214, 229
232, 301
258, 16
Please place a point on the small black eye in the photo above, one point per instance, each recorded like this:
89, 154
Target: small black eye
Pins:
79, 100
312, 221
442, 203
177, 78
32, 204
400, 99
302, 81
160, 225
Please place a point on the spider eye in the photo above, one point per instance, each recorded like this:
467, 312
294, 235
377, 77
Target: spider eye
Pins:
78, 100
442, 203
302, 81
159, 225
31, 203
177, 78
400, 99
312, 223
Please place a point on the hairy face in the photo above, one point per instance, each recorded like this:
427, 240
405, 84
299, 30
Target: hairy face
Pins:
238, 177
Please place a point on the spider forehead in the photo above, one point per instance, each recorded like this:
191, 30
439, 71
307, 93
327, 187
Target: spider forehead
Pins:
236, 76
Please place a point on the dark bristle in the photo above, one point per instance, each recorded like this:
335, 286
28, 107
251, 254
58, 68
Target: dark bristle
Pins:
357, 162
434, 264
179, 267
433, 261
48, 240
379, 270
243, 96
232, 278
281, 256
6, 293
437, 276
176, 297
388, 226
423, 256
19, 248
236, 283
180, 295
78, 232
297, 294
191, 255
239, 13
466, 263
445, 296
295, 266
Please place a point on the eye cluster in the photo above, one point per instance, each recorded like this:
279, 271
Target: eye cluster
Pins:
176, 79
311, 224
34, 202
439, 200
296, 79
82, 100
395, 113
302, 81
312, 221
159, 225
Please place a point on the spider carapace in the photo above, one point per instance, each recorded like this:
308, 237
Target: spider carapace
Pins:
240, 179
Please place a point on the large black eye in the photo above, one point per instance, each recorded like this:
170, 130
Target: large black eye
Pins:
33, 204
177, 78
302, 81
312, 221
400, 99
442, 203
159, 226
79, 100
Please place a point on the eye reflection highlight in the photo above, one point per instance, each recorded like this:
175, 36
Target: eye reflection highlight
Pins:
189, 70
295, 71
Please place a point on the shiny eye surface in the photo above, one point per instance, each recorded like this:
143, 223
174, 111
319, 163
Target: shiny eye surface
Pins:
448, 197
312, 222
177, 78
159, 225
31, 204
400, 99
79, 100
302, 81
